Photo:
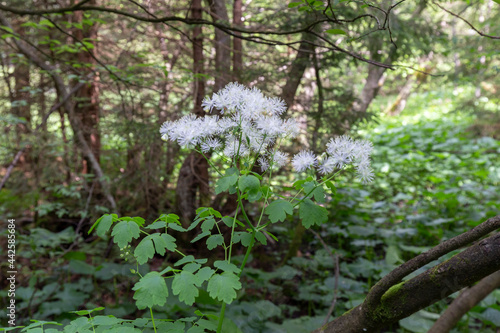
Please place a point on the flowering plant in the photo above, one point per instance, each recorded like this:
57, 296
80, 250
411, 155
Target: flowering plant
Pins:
247, 133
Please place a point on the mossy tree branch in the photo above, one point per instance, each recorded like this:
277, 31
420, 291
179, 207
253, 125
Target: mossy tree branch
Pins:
391, 300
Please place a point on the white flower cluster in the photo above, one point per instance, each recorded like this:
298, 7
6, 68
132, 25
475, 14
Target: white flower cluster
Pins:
339, 152
248, 115
251, 123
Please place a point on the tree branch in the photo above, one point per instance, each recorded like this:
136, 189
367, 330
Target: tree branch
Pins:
405, 298
419, 261
467, 22
74, 121
464, 302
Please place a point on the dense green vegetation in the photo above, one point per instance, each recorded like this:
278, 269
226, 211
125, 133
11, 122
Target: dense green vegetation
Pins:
70, 158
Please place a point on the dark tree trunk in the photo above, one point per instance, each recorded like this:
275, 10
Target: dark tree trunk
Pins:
299, 65
193, 175
21, 101
237, 42
374, 81
87, 106
218, 12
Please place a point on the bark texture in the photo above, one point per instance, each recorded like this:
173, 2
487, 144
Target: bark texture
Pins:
87, 106
193, 175
299, 65
222, 42
464, 302
391, 300
237, 42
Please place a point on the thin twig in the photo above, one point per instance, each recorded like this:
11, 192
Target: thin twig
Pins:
469, 24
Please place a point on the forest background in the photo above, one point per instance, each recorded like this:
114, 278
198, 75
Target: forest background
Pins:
86, 85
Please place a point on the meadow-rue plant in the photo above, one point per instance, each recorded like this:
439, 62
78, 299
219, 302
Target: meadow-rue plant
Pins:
247, 133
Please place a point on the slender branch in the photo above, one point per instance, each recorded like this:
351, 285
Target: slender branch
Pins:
234, 31
464, 302
467, 22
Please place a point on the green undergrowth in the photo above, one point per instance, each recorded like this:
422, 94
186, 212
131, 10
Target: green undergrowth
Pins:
434, 180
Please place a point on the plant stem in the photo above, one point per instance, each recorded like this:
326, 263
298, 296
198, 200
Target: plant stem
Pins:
247, 254
152, 318
221, 317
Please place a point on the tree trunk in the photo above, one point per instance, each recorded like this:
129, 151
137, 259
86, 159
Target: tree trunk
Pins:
237, 42
374, 81
299, 65
193, 175
218, 12
87, 106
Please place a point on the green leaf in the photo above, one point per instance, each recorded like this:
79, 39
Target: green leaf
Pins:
106, 320
497, 1
223, 286
185, 260
145, 249
204, 274
224, 183
228, 221
312, 214
208, 224
6, 28
103, 224
157, 225
124, 232
176, 227
249, 183
332, 187
200, 236
336, 32
86, 312
150, 290
261, 237
214, 240
278, 209
184, 285
294, 4
318, 193
227, 266
246, 238
191, 267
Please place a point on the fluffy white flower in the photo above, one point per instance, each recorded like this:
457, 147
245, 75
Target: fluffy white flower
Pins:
264, 163
304, 160
270, 126
291, 128
365, 172
233, 147
327, 166
209, 144
280, 159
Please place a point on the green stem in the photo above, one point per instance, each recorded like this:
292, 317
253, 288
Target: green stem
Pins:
152, 318
247, 254
221, 317
315, 187
232, 230
209, 162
